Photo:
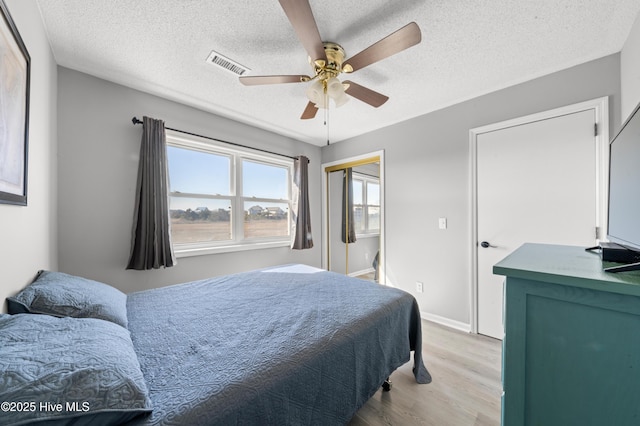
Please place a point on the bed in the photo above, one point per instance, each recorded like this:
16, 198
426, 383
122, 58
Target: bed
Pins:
289, 345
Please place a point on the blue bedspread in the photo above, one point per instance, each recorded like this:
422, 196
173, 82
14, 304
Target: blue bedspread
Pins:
287, 346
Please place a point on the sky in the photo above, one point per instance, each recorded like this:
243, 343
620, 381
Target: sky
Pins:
193, 171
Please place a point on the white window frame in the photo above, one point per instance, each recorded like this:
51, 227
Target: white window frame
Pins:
366, 179
236, 155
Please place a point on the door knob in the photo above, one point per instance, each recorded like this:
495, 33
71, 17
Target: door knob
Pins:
485, 244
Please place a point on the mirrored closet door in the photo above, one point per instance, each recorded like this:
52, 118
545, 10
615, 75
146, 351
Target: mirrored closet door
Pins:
354, 213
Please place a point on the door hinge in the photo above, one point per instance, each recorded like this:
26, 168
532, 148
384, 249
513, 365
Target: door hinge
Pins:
597, 232
595, 129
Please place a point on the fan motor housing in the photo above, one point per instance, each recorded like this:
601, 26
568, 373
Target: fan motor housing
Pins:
333, 66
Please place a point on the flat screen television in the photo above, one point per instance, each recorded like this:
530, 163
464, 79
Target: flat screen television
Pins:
624, 190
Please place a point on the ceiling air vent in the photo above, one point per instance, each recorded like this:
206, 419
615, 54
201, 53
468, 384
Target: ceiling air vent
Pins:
223, 62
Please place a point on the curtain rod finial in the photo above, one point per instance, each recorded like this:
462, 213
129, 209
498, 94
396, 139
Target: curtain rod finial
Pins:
135, 121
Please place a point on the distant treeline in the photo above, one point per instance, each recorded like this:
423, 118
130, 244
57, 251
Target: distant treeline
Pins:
203, 214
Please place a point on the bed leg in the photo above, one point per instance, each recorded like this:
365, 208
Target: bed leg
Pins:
386, 386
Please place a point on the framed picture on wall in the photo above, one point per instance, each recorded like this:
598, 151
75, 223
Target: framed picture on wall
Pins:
15, 70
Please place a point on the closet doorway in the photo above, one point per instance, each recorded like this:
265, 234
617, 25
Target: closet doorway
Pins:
353, 210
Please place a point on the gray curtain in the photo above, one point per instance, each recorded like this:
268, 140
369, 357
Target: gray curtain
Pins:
151, 238
347, 207
301, 213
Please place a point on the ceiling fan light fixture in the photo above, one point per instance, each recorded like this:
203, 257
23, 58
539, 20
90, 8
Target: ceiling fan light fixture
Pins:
323, 102
334, 88
320, 91
315, 92
341, 100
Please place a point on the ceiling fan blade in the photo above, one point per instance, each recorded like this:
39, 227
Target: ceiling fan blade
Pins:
273, 79
368, 96
309, 112
405, 37
304, 24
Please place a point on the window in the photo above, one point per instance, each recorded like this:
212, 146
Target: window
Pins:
366, 204
267, 185
224, 199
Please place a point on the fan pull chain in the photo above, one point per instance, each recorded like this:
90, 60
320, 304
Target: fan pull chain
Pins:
327, 124
326, 113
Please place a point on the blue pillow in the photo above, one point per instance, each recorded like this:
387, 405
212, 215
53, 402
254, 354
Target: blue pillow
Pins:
64, 371
63, 295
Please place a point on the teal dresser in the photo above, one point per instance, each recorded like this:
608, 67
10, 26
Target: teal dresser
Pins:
571, 352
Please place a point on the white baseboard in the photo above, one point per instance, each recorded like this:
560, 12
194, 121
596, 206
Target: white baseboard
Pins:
362, 272
446, 322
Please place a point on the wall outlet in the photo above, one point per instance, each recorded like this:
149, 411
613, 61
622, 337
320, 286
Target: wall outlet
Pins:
419, 287
442, 223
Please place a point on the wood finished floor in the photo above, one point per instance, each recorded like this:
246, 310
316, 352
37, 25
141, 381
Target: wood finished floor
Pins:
465, 390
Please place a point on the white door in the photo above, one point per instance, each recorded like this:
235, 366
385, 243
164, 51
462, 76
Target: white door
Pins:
536, 182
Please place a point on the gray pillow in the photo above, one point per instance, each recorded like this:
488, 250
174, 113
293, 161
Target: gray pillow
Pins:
63, 295
64, 371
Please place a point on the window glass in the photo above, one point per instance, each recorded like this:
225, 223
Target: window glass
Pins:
357, 191
264, 180
366, 204
196, 172
373, 206
197, 220
222, 197
358, 208
373, 194
265, 219
373, 218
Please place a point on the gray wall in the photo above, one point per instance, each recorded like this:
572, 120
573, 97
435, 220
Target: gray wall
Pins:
630, 71
98, 162
28, 234
427, 176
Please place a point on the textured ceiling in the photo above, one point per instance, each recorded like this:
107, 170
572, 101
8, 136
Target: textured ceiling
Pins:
468, 48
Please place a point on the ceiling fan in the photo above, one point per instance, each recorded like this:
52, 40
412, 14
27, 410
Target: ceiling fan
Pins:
328, 61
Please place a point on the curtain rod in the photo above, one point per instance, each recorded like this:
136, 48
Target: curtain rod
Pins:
135, 120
